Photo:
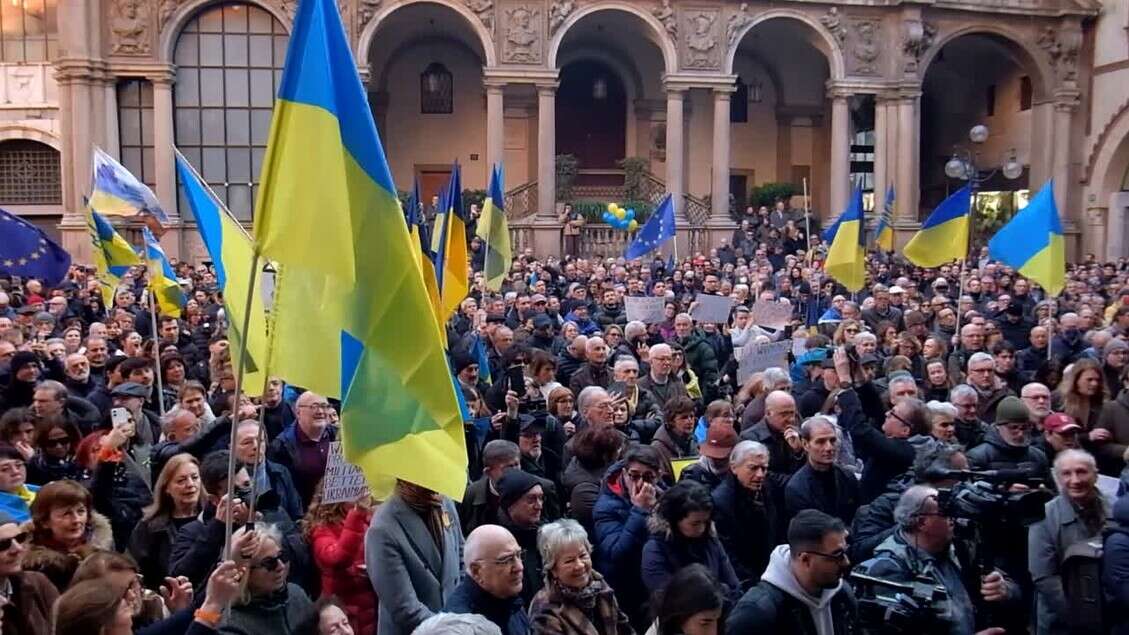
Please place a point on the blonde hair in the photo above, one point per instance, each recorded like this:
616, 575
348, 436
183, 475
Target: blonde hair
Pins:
162, 504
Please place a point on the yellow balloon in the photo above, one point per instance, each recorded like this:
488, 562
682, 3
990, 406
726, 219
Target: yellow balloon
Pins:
633, 225
612, 207
619, 213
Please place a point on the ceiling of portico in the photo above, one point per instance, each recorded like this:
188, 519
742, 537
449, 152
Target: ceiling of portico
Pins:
786, 47
422, 21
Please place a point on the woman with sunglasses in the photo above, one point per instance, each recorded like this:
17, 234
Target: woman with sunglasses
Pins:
55, 444
336, 535
268, 605
31, 594
177, 502
65, 529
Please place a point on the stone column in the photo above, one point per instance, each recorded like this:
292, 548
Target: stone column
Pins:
884, 139
675, 148
164, 160
840, 151
906, 169
720, 188
546, 149
1066, 103
495, 124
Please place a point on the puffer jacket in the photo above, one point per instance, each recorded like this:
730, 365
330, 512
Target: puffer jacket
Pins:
59, 565
621, 532
666, 553
339, 553
995, 454
702, 359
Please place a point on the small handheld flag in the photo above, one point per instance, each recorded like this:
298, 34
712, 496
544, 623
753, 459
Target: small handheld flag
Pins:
495, 233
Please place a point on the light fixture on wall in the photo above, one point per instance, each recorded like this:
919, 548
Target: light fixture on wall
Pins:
600, 89
755, 94
1012, 168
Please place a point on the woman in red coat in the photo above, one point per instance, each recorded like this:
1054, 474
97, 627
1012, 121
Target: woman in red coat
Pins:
336, 534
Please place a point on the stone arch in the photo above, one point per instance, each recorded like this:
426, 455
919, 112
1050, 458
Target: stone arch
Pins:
661, 38
188, 11
627, 71
19, 131
827, 44
1110, 159
1033, 62
364, 41
405, 48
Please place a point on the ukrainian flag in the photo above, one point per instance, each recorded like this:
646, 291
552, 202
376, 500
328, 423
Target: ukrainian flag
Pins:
495, 233
418, 230
1032, 242
884, 232
116, 192
451, 259
943, 236
846, 259
328, 207
232, 253
112, 255
162, 280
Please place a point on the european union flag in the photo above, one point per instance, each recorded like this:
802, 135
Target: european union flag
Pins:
659, 229
27, 252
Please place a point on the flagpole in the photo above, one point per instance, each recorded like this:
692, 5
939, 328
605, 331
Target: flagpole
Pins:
807, 222
157, 351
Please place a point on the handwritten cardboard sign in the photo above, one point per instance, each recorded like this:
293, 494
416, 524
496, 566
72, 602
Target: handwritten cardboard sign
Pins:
774, 315
757, 357
712, 308
344, 482
648, 310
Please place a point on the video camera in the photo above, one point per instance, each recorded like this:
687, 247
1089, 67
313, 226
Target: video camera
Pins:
889, 606
986, 494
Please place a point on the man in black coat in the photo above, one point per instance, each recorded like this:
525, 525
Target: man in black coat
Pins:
802, 591
888, 453
821, 484
747, 511
779, 433
493, 581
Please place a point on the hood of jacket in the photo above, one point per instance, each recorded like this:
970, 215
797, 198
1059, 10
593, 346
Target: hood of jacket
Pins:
659, 526
779, 574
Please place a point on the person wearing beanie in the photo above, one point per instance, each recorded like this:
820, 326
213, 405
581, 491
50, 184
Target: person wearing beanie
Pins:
1115, 359
30, 595
1007, 445
23, 374
521, 502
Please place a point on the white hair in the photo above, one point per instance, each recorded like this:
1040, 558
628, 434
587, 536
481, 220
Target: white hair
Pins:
624, 361
746, 450
457, 624
979, 357
942, 408
865, 336
661, 349
587, 396
909, 505
1073, 455
961, 390
553, 537
776, 378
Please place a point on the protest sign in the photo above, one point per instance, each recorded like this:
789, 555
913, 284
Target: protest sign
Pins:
344, 482
680, 464
648, 310
774, 315
712, 308
757, 357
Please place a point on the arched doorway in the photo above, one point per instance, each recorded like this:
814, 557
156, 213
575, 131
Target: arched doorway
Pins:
592, 116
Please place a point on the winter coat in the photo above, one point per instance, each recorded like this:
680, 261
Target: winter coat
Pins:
748, 525
553, 612
209, 438
1115, 565
151, 545
970, 434
508, 614
31, 601
42, 469
621, 533
121, 490
782, 459
669, 449
884, 457
532, 567
339, 553
987, 404
805, 491
582, 488
1047, 542
479, 506
701, 358
59, 565
1115, 418
607, 316
666, 553
284, 451
674, 387
772, 606
276, 614
874, 522
589, 375
995, 454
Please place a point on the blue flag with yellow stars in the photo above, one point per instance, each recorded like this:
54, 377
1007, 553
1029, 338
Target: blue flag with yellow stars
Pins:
27, 252
659, 228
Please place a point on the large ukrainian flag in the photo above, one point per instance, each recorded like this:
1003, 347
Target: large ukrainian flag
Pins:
328, 206
1032, 242
943, 236
162, 280
846, 259
495, 233
232, 253
112, 255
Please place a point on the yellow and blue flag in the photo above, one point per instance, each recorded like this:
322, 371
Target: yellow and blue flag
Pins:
162, 281
232, 252
846, 259
884, 232
419, 235
116, 192
1032, 242
482, 358
112, 254
328, 207
495, 233
451, 259
27, 252
943, 236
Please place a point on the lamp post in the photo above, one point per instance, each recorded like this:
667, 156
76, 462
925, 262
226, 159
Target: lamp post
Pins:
962, 166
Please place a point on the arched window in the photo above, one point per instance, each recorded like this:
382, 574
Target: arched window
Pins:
28, 30
30, 173
228, 59
436, 90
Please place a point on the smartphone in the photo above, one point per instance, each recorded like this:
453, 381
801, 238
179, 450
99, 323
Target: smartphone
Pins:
516, 376
119, 416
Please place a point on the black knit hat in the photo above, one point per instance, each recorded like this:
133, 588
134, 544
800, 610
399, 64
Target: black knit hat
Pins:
21, 359
513, 485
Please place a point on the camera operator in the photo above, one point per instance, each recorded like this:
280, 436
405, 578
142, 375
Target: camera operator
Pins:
922, 546
1007, 444
1077, 514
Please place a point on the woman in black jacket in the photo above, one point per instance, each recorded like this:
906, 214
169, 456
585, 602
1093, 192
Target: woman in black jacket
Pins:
56, 442
176, 503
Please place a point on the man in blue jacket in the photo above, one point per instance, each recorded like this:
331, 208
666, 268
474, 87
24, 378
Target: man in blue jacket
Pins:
492, 584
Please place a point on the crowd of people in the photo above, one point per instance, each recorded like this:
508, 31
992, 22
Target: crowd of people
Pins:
624, 477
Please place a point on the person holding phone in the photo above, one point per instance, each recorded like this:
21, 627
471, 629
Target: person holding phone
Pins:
122, 481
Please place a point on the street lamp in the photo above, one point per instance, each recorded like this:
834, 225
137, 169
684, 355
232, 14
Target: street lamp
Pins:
962, 164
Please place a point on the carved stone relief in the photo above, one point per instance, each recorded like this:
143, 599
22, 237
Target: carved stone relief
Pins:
559, 12
1062, 47
522, 41
130, 28
365, 10
917, 37
737, 23
664, 13
484, 9
165, 9
700, 49
865, 47
834, 23
22, 85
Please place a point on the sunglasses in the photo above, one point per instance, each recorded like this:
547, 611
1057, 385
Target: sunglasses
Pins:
272, 563
50, 443
20, 538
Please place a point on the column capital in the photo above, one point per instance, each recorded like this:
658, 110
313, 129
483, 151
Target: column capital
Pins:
839, 92
1067, 99
547, 88
723, 92
494, 85
162, 78
675, 90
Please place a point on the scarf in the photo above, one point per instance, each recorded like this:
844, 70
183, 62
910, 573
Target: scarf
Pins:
429, 507
1092, 514
584, 598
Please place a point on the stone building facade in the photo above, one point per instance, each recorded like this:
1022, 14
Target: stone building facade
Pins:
712, 97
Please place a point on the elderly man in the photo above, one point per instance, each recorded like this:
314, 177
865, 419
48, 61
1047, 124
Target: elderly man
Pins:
1007, 445
641, 403
595, 371
1069, 341
184, 432
901, 386
78, 379
303, 448
747, 511
572, 358
274, 484
1031, 358
492, 584
700, 356
779, 433
970, 430
971, 341
596, 408
882, 311
1037, 398
660, 381
51, 400
990, 388
922, 546
29, 595
520, 510
820, 483
480, 502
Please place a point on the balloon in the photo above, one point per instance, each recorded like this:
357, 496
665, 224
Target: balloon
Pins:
633, 225
620, 213
612, 207
607, 217
630, 214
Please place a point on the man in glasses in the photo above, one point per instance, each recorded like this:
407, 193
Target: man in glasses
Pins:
1007, 444
802, 590
491, 586
27, 596
991, 389
303, 447
922, 546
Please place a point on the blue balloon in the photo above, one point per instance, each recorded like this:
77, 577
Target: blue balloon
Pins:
630, 215
608, 217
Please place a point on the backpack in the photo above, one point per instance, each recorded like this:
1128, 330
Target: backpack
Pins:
1082, 582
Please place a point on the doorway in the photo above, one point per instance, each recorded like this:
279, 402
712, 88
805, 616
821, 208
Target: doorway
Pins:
591, 116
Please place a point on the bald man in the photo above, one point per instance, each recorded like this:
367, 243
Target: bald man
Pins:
303, 447
779, 432
492, 580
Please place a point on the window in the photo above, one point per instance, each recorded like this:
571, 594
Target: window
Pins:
228, 62
1024, 93
28, 30
739, 103
135, 128
30, 174
990, 100
436, 90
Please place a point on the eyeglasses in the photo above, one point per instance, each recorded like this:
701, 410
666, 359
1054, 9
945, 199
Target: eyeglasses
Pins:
316, 406
891, 413
19, 538
646, 477
272, 563
509, 559
837, 556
